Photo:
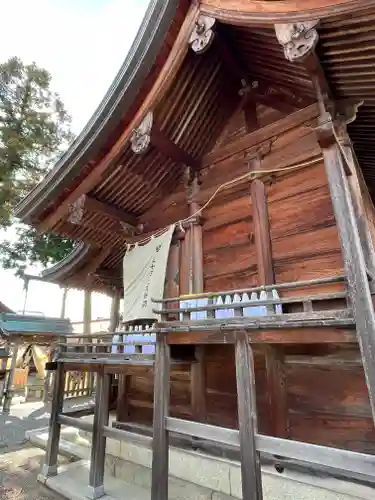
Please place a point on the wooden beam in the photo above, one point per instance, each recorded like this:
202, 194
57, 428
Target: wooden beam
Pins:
164, 144
251, 116
258, 13
96, 206
255, 89
299, 41
148, 133
259, 136
88, 272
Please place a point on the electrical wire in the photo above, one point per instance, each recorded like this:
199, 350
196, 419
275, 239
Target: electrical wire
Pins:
254, 174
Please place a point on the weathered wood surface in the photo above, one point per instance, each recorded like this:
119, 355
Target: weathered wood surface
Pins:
50, 465
247, 422
160, 444
358, 287
101, 417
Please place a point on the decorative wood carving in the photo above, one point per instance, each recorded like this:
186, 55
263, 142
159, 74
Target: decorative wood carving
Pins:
346, 111
141, 136
203, 34
298, 39
76, 210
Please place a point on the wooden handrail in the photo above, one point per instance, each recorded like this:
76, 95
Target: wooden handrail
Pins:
280, 286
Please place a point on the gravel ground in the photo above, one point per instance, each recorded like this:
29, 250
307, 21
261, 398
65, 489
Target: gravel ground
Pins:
19, 469
20, 463
28, 416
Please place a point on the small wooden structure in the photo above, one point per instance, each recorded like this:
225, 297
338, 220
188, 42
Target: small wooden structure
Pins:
234, 120
20, 329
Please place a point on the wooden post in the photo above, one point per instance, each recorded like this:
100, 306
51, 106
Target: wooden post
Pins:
63, 302
250, 462
87, 312
87, 331
160, 441
48, 376
358, 203
276, 383
50, 466
198, 368
277, 391
357, 280
262, 233
122, 407
114, 315
101, 417
9, 383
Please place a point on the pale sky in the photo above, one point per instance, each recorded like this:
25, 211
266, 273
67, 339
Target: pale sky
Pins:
82, 43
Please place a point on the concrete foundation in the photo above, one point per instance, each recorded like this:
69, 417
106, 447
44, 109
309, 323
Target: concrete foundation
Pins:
193, 475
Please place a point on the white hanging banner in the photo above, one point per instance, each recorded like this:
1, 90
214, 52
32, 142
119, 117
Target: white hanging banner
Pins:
144, 273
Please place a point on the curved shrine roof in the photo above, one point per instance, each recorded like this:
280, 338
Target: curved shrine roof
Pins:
100, 188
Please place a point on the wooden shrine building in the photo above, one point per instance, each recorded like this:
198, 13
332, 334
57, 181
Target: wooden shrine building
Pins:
250, 126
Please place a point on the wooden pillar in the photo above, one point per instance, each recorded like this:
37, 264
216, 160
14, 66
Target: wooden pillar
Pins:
160, 441
358, 203
250, 461
48, 376
63, 302
198, 368
101, 417
354, 262
87, 331
9, 383
87, 312
115, 313
122, 407
262, 233
50, 465
274, 355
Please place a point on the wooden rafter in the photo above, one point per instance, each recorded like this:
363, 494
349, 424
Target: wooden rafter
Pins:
91, 204
94, 205
149, 133
157, 92
259, 90
299, 41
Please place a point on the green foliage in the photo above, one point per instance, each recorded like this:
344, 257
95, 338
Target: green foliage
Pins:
34, 132
33, 248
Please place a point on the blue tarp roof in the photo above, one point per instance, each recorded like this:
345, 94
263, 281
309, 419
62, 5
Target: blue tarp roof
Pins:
20, 324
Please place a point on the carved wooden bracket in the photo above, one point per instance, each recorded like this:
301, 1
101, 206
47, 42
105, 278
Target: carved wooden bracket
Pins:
76, 210
346, 110
203, 35
298, 39
141, 136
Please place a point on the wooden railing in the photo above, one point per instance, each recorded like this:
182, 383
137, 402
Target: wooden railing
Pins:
131, 344
258, 307
79, 384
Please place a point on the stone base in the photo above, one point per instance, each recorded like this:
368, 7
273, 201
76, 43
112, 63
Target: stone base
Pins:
197, 476
47, 471
94, 493
72, 479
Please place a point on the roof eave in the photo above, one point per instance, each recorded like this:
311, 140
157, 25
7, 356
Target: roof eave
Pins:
117, 101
